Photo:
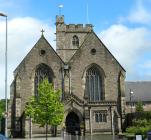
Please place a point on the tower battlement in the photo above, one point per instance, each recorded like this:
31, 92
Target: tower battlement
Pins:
62, 27
79, 28
69, 37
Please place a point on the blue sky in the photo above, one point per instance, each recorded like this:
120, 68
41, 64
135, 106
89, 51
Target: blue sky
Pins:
123, 25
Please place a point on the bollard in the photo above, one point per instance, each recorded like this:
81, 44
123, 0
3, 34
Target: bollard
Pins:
76, 132
138, 137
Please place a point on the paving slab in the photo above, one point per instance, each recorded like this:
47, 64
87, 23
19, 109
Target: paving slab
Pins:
71, 137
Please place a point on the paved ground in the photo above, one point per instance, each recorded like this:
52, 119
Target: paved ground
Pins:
95, 137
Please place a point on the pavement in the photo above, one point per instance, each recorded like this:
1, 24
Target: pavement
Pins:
49, 138
71, 137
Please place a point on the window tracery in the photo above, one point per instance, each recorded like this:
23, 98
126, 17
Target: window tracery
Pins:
94, 84
42, 72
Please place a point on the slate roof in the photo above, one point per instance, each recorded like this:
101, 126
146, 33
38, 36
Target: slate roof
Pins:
141, 89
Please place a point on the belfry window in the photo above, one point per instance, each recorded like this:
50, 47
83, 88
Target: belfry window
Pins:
42, 72
75, 41
94, 85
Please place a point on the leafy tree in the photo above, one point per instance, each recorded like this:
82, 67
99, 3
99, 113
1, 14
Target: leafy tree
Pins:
2, 108
46, 109
139, 107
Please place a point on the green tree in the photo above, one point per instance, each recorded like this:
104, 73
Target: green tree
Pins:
2, 108
140, 126
46, 109
2, 111
139, 107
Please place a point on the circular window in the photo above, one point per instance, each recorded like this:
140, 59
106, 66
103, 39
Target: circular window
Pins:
93, 51
42, 52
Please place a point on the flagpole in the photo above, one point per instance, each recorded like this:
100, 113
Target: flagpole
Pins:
60, 6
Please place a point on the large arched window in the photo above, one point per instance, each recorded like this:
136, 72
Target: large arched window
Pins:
42, 72
75, 41
94, 84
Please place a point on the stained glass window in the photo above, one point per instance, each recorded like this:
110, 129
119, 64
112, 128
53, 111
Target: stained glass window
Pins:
94, 87
42, 72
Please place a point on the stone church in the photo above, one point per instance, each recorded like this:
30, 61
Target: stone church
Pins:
89, 76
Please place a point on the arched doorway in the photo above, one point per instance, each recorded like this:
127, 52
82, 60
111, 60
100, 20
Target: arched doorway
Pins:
73, 124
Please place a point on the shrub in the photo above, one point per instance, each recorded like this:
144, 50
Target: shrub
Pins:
139, 127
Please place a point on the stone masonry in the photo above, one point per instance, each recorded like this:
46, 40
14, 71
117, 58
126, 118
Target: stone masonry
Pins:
69, 65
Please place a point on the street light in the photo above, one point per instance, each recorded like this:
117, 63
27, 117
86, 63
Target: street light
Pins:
6, 109
131, 93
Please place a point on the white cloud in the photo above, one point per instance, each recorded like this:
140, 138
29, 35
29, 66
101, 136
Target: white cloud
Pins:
139, 13
23, 33
137, 61
12, 7
128, 45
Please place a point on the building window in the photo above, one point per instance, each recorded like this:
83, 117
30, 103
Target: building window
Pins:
75, 41
100, 117
94, 85
93, 51
42, 52
42, 72
17, 125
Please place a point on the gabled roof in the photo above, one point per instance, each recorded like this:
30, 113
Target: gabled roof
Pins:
109, 51
141, 89
42, 38
87, 38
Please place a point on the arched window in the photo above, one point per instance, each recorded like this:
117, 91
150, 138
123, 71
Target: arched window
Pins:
94, 84
42, 72
75, 41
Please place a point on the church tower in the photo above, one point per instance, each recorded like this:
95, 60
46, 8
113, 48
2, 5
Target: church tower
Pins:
69, 37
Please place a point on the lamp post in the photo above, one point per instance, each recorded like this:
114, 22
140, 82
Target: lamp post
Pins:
6, 108
131, 93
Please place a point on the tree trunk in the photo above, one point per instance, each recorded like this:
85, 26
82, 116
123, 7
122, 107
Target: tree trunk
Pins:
46, 130
55, 130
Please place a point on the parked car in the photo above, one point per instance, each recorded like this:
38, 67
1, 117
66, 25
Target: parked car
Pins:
2, 137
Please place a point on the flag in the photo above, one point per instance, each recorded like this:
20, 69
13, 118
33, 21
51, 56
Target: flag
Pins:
61, 6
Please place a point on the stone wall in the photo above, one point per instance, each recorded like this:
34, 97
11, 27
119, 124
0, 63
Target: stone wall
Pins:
83, 59
73, 62
64, 35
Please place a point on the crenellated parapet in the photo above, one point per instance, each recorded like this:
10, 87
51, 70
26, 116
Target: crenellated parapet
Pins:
79, 28
62, 27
